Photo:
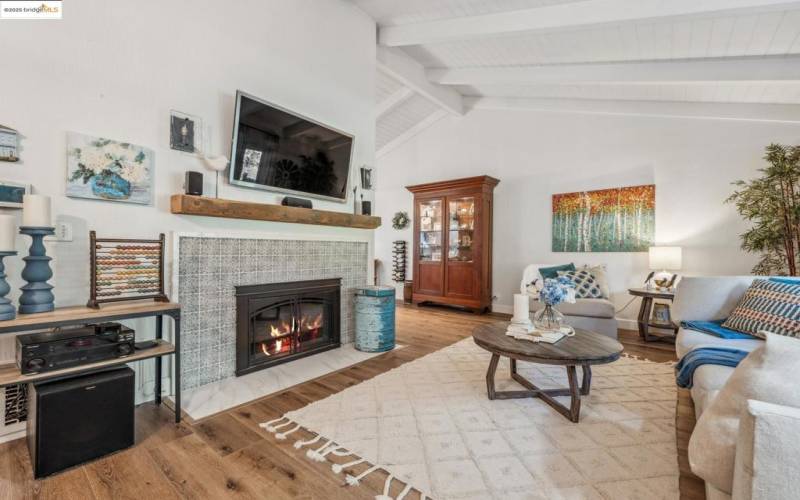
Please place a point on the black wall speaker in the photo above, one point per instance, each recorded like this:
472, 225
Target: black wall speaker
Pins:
289, 201
79, 419
194, 183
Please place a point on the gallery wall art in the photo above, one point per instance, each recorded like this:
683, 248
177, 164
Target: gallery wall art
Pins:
606, 220
12, 193
185, 132
104, 169
8, 144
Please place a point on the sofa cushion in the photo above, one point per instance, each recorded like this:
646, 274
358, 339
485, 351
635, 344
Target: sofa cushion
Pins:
708, 298
594, 308
552, 271
600, 275
692, 339
767, 305
585, 285
702, 398
764, 375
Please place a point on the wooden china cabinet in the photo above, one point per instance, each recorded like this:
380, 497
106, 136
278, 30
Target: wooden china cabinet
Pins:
453, 242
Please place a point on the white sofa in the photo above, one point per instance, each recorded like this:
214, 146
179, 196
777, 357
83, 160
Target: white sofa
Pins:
761, 472
595, 315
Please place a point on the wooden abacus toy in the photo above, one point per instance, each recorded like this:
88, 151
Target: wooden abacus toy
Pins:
123, 269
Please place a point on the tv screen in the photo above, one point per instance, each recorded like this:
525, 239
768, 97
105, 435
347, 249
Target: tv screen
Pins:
277, 150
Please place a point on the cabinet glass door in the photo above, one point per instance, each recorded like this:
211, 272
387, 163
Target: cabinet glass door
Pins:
430, 231
461, 229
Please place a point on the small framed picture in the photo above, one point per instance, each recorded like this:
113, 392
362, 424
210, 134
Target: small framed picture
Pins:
8, 144
185, 132
11, 194
661, 314
366, 178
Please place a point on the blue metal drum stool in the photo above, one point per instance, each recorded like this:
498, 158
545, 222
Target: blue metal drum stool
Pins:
374, 318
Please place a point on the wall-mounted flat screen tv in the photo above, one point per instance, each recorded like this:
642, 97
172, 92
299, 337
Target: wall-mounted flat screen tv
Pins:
277, 150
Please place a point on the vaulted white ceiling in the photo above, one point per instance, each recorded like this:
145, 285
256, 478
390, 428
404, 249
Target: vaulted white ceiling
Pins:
715, 58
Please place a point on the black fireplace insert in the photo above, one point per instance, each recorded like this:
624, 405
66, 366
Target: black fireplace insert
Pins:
280, 322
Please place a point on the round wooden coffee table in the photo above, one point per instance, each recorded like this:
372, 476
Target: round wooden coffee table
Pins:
584, 349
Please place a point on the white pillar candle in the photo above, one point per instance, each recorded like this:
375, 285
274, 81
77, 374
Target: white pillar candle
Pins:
521, 308
36, 210
8, 233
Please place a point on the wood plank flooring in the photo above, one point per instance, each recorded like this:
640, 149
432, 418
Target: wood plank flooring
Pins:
228, 456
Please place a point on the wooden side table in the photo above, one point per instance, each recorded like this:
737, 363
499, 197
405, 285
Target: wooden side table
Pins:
643, 320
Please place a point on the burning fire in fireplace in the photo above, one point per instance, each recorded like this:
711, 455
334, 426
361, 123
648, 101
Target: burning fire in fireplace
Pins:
308, 325
280, 322
312, 325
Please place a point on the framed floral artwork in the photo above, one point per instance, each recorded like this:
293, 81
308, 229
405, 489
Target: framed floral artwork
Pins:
105, 169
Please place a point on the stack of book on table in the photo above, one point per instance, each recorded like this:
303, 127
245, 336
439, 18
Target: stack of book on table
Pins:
524, 330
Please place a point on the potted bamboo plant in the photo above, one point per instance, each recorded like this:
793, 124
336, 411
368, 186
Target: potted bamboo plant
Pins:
772, 203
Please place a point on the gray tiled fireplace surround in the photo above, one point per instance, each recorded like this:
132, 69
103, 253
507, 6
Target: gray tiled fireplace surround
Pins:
210, 267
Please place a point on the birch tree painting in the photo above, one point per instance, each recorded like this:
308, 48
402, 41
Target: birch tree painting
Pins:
607, 220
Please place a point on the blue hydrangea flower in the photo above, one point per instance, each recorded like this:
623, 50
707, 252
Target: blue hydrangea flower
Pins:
558, 290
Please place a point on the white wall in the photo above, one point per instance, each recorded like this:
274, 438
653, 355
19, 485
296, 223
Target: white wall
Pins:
116, 68
536, 154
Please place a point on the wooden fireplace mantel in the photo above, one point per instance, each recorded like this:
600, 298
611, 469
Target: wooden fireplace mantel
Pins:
232, 209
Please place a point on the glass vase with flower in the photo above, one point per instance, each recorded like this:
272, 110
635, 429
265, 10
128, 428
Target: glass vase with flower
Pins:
553, 292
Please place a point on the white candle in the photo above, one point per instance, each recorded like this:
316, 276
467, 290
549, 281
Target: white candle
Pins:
8, 233
521, 308
36, 210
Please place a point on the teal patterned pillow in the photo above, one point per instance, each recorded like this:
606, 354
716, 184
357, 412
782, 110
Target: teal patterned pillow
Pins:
767, 305
553, 271
586, 287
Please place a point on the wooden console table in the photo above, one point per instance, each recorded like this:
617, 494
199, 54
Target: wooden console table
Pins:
73, 316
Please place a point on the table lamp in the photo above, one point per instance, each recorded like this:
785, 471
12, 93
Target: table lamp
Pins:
663, 259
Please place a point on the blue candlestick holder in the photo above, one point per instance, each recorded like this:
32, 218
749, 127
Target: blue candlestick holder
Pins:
7, 311
37, 296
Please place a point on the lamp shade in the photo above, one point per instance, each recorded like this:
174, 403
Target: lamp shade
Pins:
665, 258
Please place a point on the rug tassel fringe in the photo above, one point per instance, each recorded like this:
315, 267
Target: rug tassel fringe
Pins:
355, 480
405, 492
316, 455
386, 486
282, 435
300, 444
274, 428
338, 468
332, 449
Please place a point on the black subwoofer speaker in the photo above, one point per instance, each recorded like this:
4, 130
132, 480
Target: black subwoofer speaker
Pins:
79, 419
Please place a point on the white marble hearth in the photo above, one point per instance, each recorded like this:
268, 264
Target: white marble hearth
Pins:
215, 397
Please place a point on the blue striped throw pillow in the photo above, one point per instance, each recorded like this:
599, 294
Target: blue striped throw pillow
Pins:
767, 305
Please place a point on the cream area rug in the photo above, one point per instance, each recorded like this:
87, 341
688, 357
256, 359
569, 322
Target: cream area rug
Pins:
430, 424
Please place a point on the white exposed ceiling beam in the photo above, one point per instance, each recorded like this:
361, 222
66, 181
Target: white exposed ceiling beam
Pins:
410, 73
393, 101
776, 68
413, 131
573, 15
783, 113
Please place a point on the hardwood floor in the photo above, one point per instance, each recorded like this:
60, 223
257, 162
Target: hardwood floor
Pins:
228, 456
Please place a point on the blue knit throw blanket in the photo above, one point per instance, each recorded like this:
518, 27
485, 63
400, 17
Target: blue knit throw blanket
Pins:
684, 370
715, 328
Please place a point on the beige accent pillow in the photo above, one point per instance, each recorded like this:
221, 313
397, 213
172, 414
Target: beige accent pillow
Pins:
767, 374
601, 278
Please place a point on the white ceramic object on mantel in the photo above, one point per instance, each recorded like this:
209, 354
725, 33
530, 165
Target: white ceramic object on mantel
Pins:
215, 163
